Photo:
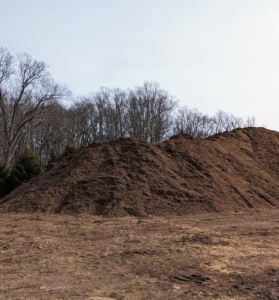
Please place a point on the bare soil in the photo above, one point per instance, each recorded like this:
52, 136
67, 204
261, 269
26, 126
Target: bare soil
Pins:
128, 220
205, 256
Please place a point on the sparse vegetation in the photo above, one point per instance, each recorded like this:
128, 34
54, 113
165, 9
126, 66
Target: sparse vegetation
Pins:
231, 256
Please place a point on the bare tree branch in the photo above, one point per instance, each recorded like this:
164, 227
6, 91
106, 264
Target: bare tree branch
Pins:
26, 90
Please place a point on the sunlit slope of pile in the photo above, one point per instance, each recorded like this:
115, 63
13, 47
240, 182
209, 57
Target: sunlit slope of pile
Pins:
230, 171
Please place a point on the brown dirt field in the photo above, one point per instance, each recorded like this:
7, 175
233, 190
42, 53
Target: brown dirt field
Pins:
205, 256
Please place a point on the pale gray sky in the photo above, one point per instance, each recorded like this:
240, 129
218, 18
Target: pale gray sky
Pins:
210, 54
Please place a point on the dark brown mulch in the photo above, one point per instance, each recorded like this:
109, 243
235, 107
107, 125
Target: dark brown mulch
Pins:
230, 171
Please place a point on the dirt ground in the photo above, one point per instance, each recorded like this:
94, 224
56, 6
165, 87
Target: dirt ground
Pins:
129, 220
204, 256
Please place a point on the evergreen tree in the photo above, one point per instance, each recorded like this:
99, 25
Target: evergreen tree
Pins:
68, 150
4, 184
26, 167
55, 157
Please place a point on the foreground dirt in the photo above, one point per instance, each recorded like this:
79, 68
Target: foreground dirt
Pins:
205, 256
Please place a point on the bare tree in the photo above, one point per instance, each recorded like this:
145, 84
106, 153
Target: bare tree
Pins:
195, 123
100, 116
26, 90
149, 113
80, 112
144, 113
49, 133
117, 114
224, 121
250, 121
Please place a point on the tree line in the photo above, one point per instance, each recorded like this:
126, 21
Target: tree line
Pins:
34, 116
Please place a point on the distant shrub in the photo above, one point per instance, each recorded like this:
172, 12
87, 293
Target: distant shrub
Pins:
26, 167
68, 150
55, 157
4, 184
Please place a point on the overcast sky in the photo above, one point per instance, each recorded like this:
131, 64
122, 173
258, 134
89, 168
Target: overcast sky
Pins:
209, 54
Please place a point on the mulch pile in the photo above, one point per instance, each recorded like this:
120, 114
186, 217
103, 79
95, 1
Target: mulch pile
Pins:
226, 172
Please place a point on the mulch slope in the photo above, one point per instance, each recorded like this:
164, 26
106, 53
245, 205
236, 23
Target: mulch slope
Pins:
230, 171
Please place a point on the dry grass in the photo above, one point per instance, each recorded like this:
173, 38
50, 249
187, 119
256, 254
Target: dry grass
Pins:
211, 256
